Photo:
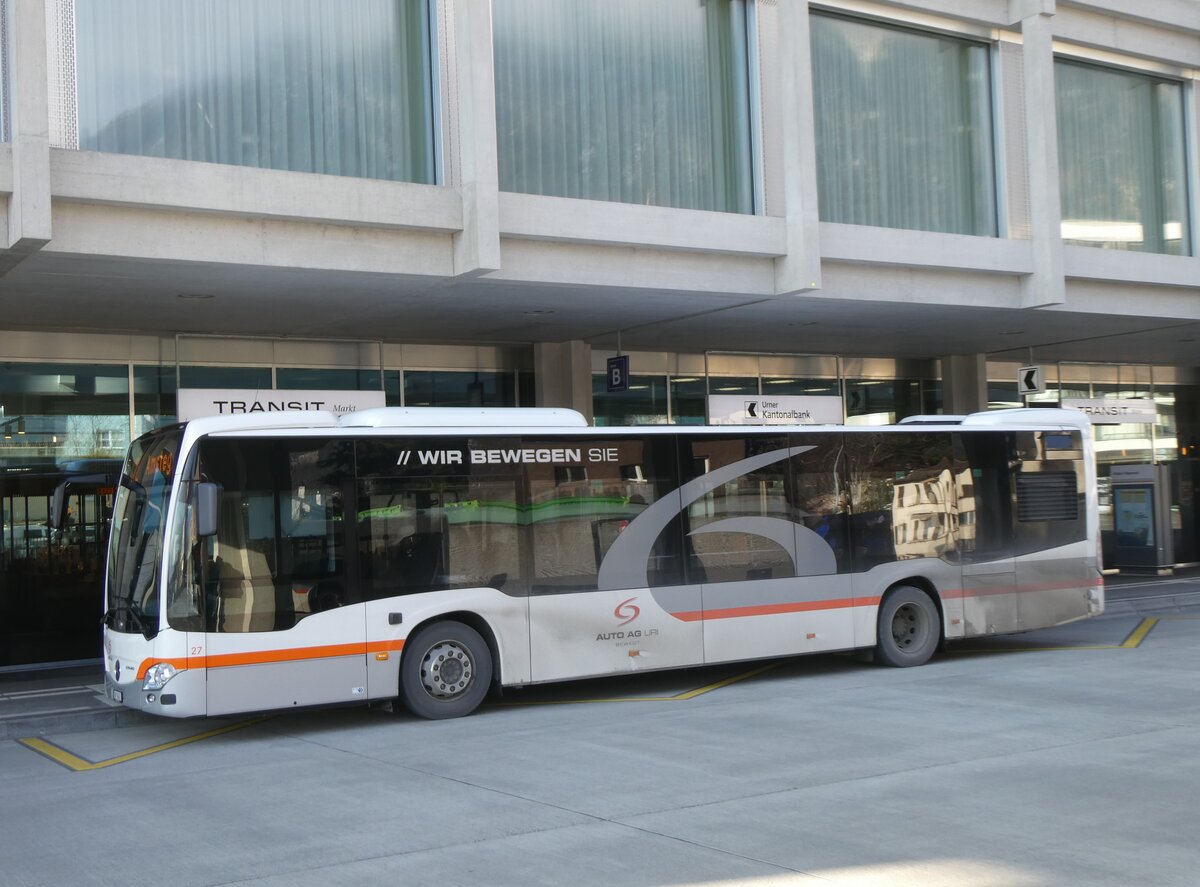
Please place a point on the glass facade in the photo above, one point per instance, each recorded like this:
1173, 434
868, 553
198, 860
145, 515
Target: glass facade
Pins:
1122, 159
904, 128
61, 425
683, 400
625, 101
343, 88
68, 426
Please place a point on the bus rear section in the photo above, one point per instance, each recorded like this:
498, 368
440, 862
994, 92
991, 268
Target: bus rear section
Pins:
327, 563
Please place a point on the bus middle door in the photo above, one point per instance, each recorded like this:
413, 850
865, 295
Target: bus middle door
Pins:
989, 572
607, 583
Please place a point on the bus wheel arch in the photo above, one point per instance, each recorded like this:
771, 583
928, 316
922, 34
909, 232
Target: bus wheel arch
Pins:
910, 625
448, 666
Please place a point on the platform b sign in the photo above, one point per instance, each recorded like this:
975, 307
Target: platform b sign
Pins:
618, 373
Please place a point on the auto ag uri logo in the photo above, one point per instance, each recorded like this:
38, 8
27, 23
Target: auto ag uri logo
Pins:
627, 610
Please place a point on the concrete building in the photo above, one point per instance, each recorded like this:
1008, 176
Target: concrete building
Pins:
898, 203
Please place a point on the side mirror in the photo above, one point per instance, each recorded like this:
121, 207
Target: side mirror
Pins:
208, 509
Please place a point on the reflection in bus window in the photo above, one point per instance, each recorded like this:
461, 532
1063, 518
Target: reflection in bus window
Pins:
904, 489
577, 512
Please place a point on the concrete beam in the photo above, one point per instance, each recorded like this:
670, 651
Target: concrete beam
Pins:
29, 205
800, 269
563, 219
964, 384
167, 184
1045, 286
477, 246
563, 375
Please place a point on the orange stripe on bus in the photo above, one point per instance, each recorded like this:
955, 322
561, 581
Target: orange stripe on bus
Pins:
264, 657
773, 609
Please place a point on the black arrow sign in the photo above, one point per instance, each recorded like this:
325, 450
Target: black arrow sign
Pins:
751, 406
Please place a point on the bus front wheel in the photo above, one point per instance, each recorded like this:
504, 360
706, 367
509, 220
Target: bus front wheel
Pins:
909, 628
446, 671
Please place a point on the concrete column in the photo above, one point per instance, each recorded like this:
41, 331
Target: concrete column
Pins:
964, 384
1046, 285
562, 373
477, 246
799, 270
29, 204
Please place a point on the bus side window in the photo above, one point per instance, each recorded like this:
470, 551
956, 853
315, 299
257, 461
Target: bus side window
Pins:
903, 490
420, 534
743, 529
1049, 490
278, 556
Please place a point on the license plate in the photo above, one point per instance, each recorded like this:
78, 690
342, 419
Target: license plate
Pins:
118, 696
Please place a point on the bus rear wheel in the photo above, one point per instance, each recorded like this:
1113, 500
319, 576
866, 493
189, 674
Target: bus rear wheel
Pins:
445, 672
909, 628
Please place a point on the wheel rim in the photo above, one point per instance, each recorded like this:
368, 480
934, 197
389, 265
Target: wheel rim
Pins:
447, 670
908, 627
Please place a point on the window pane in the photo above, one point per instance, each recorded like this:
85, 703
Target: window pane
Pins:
258, 378
301, 379
59, 412
441, 388
801, 387
625, 101
885, 401
310, 85
154, 402
1121, 159
904, 131
645, 403
689, 401
733, 385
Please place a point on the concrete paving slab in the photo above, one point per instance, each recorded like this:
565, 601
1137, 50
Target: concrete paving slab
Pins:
595, 853
1063, 766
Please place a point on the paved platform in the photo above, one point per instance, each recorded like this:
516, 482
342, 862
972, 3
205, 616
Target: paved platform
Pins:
1035, 760
41, 703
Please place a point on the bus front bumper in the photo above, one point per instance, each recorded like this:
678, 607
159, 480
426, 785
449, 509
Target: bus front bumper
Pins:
182, 697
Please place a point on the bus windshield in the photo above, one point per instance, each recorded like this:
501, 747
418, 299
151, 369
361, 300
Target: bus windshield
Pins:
136, 543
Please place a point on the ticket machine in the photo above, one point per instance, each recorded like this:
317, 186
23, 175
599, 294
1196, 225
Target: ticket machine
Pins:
1141, 503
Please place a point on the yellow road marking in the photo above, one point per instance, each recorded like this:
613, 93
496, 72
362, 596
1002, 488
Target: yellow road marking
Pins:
1139, 634
74, 762
678, 697
1132, 642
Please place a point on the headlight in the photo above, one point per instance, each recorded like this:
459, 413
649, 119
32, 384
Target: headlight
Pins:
158, 675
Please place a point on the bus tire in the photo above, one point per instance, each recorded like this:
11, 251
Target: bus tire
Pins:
909, 628
446, 671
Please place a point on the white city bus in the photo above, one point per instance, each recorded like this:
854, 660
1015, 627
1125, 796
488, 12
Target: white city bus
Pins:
293, 559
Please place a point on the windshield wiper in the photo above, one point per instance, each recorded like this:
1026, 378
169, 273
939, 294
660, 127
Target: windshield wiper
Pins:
135, 618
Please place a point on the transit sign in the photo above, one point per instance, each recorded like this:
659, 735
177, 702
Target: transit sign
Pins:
1031, 380
194, 403
1114, 411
